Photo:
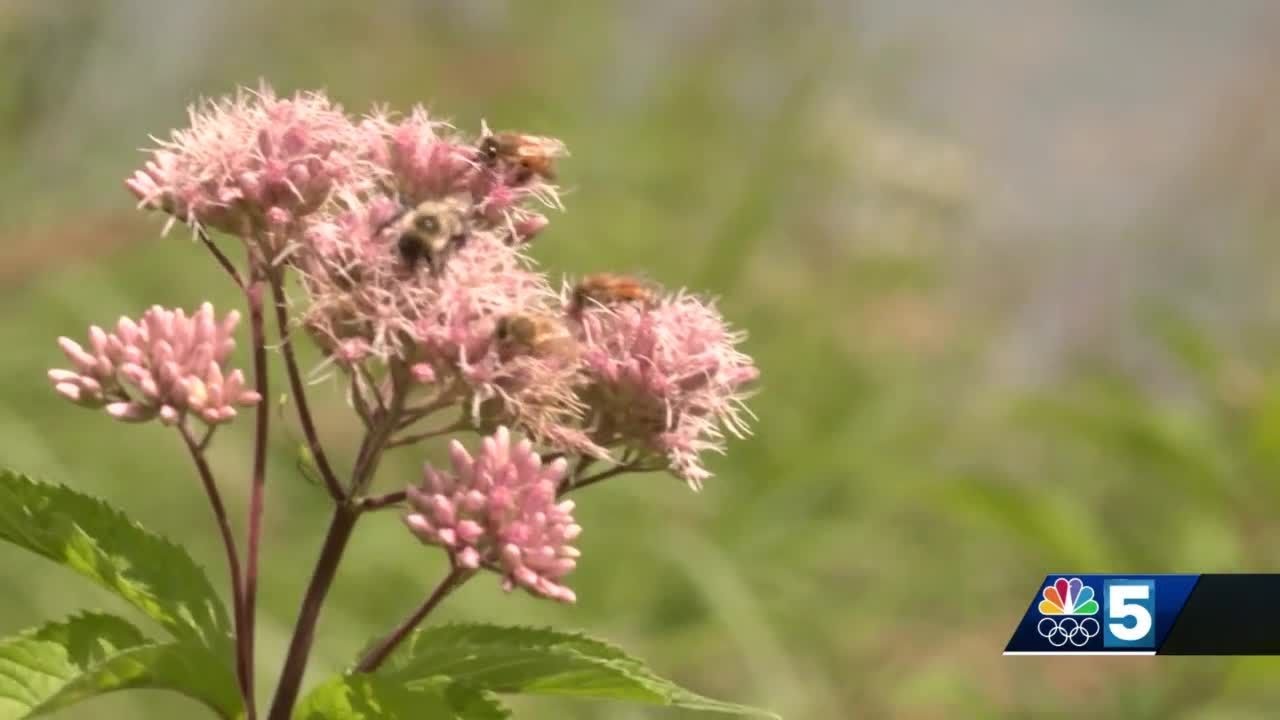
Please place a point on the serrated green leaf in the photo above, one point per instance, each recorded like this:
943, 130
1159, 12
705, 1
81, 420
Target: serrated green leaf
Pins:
541, 662
36, 664
63, 663
184, 667
370, 697
101, 543
467, 634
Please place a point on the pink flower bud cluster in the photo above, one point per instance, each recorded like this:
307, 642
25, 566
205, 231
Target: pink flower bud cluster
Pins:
167, 365
498, 510
666, 377
252, 166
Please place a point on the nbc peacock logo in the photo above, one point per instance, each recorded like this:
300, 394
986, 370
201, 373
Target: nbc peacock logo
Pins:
1067, 607
1068, 597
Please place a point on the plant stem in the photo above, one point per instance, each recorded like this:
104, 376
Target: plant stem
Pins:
221, 257
358, 401
427, 434
345, 514
579, 483
584, 462
376, 439
367, 377
298, 390
233, 562
382, 501
257, 497
295, 664
412, 415
379, 653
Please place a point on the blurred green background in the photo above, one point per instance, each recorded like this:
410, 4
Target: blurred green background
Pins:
1009, 272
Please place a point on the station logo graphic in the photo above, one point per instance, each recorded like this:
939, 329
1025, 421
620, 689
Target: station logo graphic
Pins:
1068, 597
1112, 614
1131, 610
1068, 608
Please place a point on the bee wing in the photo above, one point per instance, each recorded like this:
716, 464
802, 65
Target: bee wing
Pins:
560, 346
534, 146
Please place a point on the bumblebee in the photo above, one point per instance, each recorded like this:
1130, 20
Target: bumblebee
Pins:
429, 233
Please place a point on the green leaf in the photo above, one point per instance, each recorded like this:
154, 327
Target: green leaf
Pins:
183, 667
63, 663
541, 662
370, 697
36, 664
97, 541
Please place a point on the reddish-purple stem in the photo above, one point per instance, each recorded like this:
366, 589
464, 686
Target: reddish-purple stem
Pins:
295, 664
380, 652
381, 501
345, 514
299, 391
427, 434
233, 563
221, 257
577, 483
257, 495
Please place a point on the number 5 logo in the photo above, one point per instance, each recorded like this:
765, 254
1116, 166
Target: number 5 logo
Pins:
1130, 620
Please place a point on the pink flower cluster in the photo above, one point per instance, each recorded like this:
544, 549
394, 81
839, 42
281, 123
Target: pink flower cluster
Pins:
456, 336
666, 377
167, 365
409, 241
252, 166
368, 303
418, 156
498, 510
299, 179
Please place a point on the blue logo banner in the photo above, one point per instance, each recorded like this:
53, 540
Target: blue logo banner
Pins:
1101, 614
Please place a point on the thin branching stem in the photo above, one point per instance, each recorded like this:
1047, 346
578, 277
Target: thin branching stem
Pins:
426, 434
257, 493
373, 386
221, 257
368, 379
378, 502
358, 401
584, 462
299, 390
383, 649
233, 561
578, 483
208, 438
375, 441
411, 415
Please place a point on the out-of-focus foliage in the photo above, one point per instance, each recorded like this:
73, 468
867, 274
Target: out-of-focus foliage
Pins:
868, 551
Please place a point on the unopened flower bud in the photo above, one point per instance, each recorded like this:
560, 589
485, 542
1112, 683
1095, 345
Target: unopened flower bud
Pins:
497, 510
165, 365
